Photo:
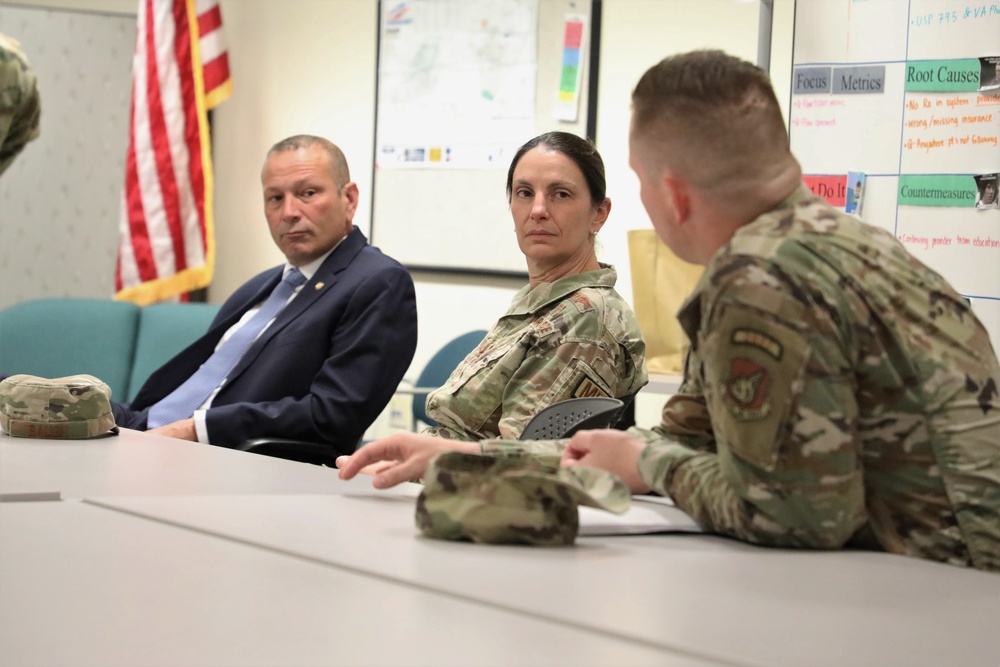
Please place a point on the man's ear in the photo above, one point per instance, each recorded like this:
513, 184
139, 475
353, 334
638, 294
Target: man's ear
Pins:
349, 193
678, 196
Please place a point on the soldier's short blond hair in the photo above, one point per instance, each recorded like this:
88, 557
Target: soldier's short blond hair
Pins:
710, 116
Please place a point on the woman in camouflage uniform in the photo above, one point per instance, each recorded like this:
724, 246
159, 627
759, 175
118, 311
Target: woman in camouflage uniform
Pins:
567, 333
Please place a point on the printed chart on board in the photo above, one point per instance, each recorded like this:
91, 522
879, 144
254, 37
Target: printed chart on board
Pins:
456, 82
895, 116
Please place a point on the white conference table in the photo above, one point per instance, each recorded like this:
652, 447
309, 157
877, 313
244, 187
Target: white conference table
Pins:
683, 598
81, 585
136, 463
703, 595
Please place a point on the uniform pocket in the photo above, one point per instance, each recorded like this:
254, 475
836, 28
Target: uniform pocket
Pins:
475, 391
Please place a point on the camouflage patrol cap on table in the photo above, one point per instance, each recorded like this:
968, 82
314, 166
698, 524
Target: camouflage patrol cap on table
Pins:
511, 501
74, 407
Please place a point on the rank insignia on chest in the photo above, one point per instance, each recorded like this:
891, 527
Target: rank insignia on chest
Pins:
746, 390
588, 389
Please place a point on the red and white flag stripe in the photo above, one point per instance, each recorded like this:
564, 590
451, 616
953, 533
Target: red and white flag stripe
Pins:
166, 245
214, 57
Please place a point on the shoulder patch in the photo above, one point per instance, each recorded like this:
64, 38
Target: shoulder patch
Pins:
587, 388
757, 339
746, 390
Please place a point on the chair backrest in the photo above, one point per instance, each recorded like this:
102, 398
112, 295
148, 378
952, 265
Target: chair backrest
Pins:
67, 336
441, 366
565, 418
164, 330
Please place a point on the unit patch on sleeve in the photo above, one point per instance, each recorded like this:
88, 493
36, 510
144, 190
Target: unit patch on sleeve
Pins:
746, 389
757, 339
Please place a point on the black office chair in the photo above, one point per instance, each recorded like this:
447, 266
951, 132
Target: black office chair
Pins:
565, 418
294, 450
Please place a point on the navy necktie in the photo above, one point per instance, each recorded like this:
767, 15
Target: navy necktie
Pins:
183, 401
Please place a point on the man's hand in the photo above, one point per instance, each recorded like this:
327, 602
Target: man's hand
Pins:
400, 457
182, 430
614, 451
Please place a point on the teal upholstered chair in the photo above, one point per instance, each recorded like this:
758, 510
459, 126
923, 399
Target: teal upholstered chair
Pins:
67, 336
164, 330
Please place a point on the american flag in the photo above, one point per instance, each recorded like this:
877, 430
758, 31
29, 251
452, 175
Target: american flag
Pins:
180, 71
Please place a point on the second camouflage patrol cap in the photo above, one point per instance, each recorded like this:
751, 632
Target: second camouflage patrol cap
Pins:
511, 501
74, 407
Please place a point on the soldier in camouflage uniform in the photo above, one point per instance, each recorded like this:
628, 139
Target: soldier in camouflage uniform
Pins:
837, 392
20, 110
567, 333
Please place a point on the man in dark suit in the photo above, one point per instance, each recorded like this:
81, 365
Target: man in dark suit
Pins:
329, 356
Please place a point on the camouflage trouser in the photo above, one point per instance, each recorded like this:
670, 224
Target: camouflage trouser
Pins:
20, 109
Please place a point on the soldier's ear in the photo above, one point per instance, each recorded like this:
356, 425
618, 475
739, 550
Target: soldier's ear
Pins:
678, 198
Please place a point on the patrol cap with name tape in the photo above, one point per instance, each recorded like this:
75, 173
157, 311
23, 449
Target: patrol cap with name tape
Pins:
74, 407
507, 500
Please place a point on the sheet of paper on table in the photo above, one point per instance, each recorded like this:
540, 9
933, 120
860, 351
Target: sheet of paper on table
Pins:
648, 514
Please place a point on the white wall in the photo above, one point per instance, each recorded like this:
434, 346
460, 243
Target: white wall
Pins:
60, 199
103, 6
297, 67
782, 36
635, 35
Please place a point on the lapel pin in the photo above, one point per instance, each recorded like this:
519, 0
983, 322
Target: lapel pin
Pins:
319, 286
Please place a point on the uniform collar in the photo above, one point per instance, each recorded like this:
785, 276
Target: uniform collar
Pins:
529, 299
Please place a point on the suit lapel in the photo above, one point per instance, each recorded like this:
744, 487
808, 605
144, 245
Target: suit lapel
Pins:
322, 281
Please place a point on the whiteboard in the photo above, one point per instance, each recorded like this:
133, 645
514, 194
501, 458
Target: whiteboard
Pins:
450, 213
899, 135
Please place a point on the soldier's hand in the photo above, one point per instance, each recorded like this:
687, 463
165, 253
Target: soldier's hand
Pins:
608, 449
398, 458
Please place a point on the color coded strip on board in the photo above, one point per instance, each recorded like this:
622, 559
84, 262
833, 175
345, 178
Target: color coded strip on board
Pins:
569, 86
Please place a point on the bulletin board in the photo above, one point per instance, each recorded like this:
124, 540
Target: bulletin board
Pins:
461, 85
899, 101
